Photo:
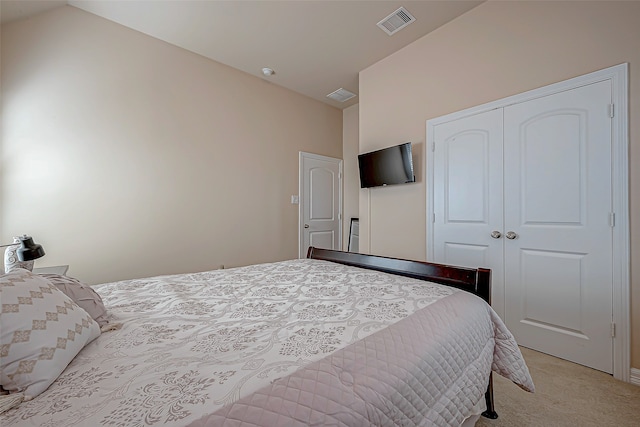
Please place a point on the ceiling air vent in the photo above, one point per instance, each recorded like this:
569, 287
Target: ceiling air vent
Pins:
341, 95
396, 21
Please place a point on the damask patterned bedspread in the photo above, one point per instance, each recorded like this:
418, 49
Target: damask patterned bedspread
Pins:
301, 342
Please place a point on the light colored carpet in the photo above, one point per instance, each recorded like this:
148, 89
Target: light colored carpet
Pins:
566, 394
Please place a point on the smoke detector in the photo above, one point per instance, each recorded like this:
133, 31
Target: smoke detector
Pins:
341, 95
267, 72
396, 21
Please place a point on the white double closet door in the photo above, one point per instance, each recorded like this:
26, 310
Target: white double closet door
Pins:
526, 191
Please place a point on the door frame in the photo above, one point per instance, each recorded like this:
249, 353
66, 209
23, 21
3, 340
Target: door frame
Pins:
301, 157
618, 77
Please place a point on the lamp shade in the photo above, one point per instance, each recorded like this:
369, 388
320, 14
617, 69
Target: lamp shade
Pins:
29, 250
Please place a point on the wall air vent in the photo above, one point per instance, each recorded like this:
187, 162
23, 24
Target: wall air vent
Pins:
341, 95
396, 21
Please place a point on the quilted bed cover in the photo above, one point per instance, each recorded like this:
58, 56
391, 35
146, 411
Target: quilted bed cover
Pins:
292, 343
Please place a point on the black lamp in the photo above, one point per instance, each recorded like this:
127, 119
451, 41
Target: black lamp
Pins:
28, 250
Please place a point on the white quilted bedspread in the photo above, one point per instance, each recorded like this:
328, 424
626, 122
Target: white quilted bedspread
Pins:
297, 343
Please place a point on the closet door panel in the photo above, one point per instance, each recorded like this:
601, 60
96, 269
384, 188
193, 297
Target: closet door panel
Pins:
557, 204
552, 166
468, 195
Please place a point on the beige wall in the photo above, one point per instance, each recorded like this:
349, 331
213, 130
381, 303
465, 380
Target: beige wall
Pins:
351, 181
144, 158
496, 50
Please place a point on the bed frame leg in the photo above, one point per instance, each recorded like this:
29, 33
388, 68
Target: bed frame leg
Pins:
488, 396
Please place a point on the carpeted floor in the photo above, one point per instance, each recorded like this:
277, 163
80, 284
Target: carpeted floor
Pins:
567, 395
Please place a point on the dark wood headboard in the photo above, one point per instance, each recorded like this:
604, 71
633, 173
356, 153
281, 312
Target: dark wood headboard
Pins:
476, 281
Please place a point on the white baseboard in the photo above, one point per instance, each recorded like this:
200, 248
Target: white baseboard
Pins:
635, 376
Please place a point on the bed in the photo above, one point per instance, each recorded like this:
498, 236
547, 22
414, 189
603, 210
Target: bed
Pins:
338, 339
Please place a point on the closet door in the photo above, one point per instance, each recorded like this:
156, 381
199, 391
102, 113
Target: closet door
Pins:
557, 204
468, 196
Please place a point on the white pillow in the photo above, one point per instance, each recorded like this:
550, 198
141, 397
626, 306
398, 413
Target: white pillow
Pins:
42, 331
83, 295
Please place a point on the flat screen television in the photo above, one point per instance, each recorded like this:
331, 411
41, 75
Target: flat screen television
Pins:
389, 166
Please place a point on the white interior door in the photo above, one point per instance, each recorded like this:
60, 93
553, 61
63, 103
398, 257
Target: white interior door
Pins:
320, 217
468, 196
538, 173
558, 266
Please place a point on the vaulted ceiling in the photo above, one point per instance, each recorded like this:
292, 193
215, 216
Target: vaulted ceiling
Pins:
314, 47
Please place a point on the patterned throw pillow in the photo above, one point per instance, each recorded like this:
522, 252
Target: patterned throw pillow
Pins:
42, 331
81, 294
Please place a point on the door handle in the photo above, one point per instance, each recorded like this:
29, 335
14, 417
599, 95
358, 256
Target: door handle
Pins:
511, 235
306, 226
496, 234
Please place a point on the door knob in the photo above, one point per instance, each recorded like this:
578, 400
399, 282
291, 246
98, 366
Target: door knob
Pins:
496, 234
511, 235
306, 226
